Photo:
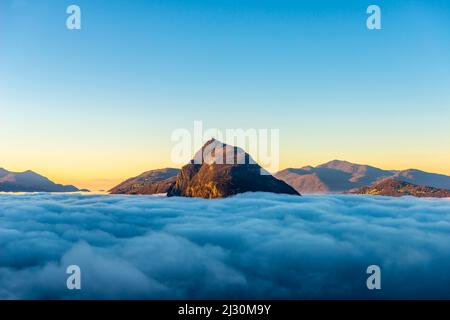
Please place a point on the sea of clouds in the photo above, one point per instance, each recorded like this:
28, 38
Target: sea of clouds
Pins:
256, 245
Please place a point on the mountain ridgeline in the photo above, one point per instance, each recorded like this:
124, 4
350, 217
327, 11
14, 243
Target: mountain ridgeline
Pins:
206, 177
341, 176
211, 175
29, 181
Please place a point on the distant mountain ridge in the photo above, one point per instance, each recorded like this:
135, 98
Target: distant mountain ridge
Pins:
339, 176
393, 187
336, 176
30, 181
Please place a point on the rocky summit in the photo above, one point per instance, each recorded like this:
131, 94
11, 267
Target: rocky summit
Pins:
219, 170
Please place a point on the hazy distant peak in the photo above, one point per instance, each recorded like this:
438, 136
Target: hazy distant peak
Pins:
342, 176
32, 174
336, 162
343, 166
29, 181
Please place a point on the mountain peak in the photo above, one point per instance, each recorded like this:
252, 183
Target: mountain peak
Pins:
215, 151
31, 173
211, 141
341, 164
337, 162
219, 170
29, 181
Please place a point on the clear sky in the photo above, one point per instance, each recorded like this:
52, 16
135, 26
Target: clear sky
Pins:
91, 107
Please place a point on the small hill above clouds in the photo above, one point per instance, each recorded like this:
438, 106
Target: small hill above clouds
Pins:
395, 188
30, 181
341, 176
150, 182
216, 179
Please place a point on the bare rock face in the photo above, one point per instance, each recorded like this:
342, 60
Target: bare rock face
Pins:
219, 170
395, 188
150, 182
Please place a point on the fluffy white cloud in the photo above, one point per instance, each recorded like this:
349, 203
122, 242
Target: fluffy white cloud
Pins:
251, 246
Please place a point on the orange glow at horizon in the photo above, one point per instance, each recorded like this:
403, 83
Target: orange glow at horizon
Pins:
103, 175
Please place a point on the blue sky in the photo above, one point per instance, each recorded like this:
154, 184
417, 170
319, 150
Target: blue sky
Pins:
79, 100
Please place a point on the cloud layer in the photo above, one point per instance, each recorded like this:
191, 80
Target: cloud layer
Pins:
250, 246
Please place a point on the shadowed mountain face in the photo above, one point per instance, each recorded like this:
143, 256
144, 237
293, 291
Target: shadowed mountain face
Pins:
394, 188
30, 181
224, 171
150, 182
341, 176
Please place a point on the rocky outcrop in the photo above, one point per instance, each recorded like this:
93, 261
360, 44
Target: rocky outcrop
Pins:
219, 170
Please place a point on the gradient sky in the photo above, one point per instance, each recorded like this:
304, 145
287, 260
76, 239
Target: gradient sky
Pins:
95, 106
